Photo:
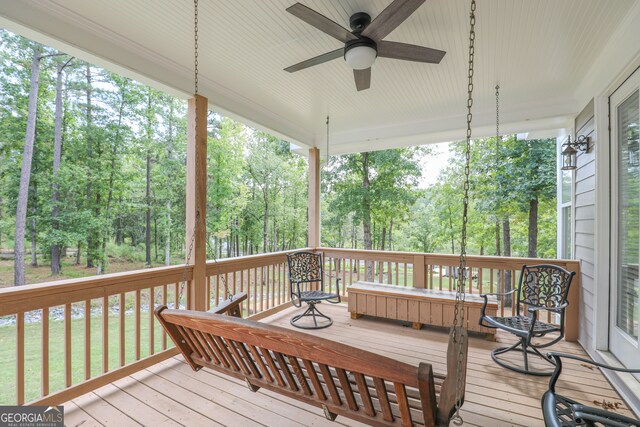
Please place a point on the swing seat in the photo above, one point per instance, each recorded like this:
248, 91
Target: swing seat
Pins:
340, 379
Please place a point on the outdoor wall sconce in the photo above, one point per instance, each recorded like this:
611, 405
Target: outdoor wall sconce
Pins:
570, 151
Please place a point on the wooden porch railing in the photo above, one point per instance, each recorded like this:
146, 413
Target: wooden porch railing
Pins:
263, 277
110, 318
438, 271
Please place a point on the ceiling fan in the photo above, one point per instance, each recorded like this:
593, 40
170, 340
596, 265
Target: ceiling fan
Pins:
364, 43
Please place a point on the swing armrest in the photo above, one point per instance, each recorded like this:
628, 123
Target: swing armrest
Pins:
231, 306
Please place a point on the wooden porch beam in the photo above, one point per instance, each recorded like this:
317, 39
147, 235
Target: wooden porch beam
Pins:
314, 197
196, 199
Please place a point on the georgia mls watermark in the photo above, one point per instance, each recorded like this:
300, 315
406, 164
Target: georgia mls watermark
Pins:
31, 416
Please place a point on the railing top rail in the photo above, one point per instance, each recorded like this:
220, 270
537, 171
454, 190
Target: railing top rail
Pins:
449, 259
50, 294
226, 265
96, 281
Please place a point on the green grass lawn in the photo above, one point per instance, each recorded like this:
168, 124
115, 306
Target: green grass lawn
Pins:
33, 352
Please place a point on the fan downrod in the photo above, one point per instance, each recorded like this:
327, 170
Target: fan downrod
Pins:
359, 21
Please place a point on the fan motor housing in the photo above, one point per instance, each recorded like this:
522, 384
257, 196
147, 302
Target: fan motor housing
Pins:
359, 21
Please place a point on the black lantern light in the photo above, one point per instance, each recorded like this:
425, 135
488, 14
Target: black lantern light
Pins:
570, 151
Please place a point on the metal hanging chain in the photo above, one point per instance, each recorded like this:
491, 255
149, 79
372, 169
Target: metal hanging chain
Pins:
195, 91
459, 310
195, 47
497, 114
327, 140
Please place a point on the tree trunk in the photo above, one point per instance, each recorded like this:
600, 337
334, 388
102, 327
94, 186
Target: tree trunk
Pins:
155, 235
25, 173
265, 220
390, 235
237, 237
533, 228
451, 233
57, 158
148, 192
366, 213
91, 238
498, 244
383, 238
506, 239
34, 254
34, 224
167, 236
78, 253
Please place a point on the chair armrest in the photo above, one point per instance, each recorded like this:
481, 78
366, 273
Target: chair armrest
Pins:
499, 293
558, 356
600, 416
556, 309
486, 301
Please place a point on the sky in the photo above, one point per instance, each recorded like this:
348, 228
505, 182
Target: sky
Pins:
433, 164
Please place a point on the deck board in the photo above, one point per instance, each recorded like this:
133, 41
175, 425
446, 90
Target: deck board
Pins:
170, 393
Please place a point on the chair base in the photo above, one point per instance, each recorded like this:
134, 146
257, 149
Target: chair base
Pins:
313, 312
526, 351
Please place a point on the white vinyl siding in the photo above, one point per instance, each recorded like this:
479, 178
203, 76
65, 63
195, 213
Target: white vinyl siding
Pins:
584, 224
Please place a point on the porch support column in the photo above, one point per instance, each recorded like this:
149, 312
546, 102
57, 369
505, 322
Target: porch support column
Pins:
196, 199
314, 197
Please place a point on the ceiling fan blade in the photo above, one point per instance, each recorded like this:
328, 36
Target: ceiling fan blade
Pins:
362, 78
410, 52
321, 22
320, 59
389, 19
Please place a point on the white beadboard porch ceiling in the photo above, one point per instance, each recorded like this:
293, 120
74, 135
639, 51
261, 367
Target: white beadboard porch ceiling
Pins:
539, 51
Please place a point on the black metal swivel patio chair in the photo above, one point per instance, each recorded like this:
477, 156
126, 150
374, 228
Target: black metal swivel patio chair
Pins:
541, 287
307, 268
560, 411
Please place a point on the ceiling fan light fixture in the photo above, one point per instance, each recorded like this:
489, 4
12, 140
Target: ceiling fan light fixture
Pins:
360, 54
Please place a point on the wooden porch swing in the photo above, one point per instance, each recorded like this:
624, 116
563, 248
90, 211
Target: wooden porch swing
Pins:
341, 379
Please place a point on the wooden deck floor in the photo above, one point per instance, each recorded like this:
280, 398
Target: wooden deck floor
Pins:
170, 393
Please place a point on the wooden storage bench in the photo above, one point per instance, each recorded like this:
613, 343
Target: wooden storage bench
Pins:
418, 306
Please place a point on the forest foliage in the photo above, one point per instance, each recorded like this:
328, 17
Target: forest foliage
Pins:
93, 171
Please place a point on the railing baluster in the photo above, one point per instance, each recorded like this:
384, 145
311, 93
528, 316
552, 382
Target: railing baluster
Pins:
405, 275
45, 351
152, 300
176, 296
122, 330
87, 339
105, 333
491, 280
67, 345
164, 302
343, 266
255, 290
20, 358
217, 300
137, 320
268, 287
397, 274
208, 293
279, 284
389, 273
